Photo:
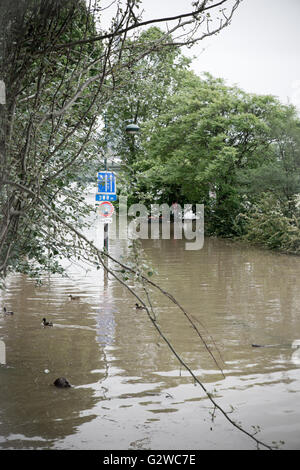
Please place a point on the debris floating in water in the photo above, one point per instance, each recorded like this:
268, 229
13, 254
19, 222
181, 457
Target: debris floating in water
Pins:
62, 382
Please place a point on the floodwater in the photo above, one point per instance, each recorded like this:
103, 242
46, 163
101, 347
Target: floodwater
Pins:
129, 390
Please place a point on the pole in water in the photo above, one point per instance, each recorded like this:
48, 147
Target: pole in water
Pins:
105, 225
106, 237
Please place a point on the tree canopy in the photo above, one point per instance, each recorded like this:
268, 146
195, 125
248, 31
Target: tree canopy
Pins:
218, 145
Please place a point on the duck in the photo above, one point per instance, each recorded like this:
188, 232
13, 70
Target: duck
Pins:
139, 307
6, 312
73, 297
47, 323
62, 382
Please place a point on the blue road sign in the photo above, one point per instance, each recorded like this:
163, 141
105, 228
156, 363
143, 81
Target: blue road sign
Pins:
106, 197
106, 182
106, 186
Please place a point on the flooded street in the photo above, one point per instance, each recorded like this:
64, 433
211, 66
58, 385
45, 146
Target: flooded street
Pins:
129, 391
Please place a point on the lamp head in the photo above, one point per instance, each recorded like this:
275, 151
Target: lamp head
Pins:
132, 129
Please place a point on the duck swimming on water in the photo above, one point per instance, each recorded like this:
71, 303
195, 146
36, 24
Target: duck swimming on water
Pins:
47, 323
73, 297
62, 382
6, 312
139, 307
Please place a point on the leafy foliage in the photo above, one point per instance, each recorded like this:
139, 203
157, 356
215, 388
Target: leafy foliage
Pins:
48, 133
268, 226
218, 145
205, 142
206, 133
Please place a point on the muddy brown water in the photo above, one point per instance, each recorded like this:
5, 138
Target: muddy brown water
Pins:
129, 391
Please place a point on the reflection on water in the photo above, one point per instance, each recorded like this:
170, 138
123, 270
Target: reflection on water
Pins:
2, 353
129, 391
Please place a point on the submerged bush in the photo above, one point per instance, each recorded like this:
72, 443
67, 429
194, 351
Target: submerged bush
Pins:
267, 224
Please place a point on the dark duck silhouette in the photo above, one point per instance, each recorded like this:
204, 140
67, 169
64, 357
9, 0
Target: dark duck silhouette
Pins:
47, 323
73, 297
62, 382
6, 312
139, 307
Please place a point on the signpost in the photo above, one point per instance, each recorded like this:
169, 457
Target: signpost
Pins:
106, 181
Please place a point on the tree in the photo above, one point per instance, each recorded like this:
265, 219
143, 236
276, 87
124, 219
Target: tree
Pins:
208, 140
279, 174
62, 67
147, 85
50, 113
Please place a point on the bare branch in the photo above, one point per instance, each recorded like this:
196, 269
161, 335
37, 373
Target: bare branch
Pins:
192, 15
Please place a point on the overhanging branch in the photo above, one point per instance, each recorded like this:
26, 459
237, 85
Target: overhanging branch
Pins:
192, 15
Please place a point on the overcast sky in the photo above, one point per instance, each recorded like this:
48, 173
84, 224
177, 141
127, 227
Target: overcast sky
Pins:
259, 51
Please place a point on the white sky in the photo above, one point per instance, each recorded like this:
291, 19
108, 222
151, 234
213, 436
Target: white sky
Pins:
259, 51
